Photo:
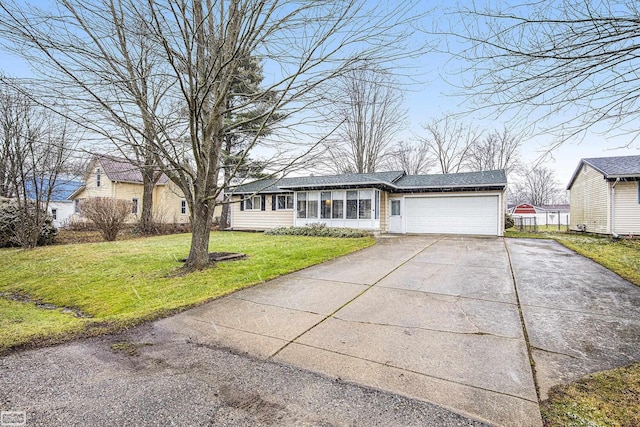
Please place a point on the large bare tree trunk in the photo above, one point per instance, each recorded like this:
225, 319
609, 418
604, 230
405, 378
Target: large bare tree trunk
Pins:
201, 221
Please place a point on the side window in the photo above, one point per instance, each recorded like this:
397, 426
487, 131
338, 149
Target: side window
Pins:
98, 177
302, 205
54, 213
76, 206
134, 206
183, 207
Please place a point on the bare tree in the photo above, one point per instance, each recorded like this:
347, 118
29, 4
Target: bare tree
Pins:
538, 187
109, 215
568, 65
368, 111
449, 144
199, 48
35, 146
497, 150
413, 158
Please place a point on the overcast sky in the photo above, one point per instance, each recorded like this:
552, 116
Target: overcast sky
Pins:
428, 82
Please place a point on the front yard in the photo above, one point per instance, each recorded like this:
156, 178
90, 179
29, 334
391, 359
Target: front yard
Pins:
56, 293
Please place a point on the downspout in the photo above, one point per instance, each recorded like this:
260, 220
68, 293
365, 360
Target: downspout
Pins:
613, 209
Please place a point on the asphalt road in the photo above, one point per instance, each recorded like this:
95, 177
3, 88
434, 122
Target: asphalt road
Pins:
88, 383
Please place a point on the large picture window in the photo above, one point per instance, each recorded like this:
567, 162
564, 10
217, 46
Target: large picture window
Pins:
350, 204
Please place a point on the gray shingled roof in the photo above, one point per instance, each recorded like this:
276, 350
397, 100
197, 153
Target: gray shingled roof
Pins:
611, 167
122, 170
391, 181
465, 179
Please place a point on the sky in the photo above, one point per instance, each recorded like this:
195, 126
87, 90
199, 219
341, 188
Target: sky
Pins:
428, 95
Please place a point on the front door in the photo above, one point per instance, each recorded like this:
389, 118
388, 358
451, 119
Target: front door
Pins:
395, 216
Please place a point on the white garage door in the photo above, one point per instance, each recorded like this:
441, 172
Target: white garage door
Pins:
452, 215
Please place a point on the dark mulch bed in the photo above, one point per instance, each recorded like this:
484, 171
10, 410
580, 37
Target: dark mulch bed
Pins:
222, 256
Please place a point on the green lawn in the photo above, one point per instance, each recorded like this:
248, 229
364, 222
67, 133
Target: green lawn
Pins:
609, 398
119, 284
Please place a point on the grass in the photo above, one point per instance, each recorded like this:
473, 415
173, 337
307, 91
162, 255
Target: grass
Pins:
119, 284
609, 398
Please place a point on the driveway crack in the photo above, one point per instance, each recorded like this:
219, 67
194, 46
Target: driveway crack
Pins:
532, 361
422, 328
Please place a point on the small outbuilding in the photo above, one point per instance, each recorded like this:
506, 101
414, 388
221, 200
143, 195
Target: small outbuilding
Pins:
605, 195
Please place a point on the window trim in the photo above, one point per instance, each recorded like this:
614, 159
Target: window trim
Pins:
252, 200
286, 197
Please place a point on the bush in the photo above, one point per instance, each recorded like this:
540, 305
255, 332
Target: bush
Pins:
319, 230
109, 215
508, 221
19, 223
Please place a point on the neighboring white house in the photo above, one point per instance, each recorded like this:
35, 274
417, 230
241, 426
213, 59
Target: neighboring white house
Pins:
386, 202
605, 195
61, 207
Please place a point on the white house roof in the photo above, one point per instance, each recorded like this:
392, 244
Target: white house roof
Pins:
612, 168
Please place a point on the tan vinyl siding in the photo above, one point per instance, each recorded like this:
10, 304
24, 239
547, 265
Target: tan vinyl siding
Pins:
627, 208
384, 211
258, 219
589, 196
166, 198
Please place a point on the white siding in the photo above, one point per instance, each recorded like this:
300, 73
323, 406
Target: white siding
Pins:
259, 220
590, 201
627, 208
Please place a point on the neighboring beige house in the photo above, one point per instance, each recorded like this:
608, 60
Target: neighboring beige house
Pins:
605, 195
118, 178
385, 202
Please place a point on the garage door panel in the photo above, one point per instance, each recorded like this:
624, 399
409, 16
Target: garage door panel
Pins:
452, 215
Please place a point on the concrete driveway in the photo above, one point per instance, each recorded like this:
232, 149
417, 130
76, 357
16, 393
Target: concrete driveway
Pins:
436, 318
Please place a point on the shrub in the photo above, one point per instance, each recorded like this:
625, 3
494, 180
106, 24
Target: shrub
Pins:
109, 215
508, 221
319, 230
20, 224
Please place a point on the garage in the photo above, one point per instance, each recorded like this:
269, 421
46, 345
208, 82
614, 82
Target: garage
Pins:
461, 214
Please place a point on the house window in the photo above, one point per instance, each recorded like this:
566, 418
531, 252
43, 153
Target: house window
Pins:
395, 207
76, 206
253, 203
98, 177
338, 206
312, 205
364, 204
325, 204
54, 213
284, 202
183, 207
302, 205
134, 206
352, 204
